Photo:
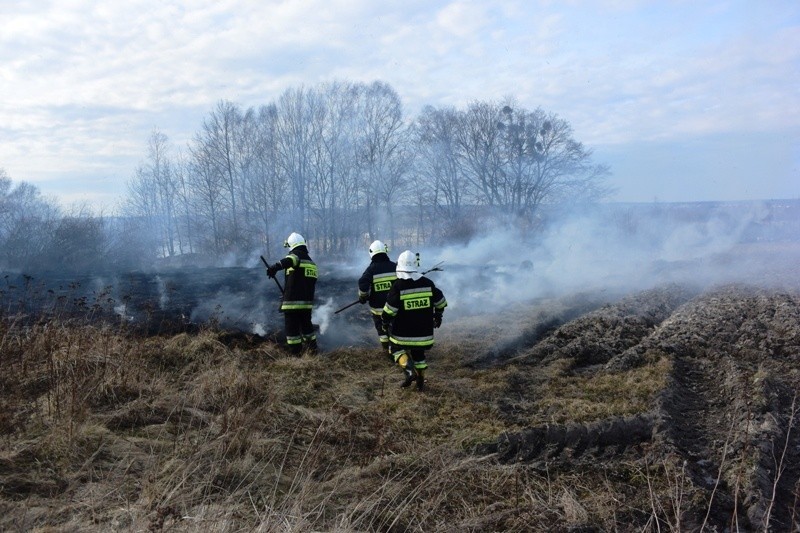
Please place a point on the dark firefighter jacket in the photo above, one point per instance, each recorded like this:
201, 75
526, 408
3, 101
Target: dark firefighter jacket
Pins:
301, 279
376, 281
410, 306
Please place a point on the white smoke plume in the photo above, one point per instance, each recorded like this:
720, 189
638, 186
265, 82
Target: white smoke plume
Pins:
322, 315
603, 251
163, 297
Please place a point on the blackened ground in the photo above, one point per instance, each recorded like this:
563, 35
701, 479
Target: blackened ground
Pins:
239, 300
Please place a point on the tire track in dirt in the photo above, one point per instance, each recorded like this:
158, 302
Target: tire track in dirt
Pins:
729, 410
550, 442
588, 343
681, 428
728, 407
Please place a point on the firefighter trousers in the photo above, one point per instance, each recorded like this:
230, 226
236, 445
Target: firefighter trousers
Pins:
299, 331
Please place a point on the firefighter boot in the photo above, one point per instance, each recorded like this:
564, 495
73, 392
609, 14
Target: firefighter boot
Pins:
387, 350
410, 378
420, 379
405, 363
296, 349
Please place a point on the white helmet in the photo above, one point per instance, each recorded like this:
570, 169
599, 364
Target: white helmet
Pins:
294, 240
408, 265
377, 247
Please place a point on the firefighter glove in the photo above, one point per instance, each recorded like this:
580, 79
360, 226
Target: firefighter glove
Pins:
385, 327
362, 298
273, 270
437, 320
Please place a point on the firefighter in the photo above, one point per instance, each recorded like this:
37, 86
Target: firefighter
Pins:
298, 295
414, 307
374, 285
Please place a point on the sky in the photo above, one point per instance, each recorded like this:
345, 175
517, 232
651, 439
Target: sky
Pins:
685, 100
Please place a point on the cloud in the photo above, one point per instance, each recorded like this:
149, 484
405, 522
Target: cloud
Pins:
74, 71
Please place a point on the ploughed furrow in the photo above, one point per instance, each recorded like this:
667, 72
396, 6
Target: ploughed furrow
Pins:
574, 354
730, 408
597, 337
775, 485
509, 333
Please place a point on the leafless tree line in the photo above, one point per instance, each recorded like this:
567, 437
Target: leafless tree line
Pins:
36, 233
338, 162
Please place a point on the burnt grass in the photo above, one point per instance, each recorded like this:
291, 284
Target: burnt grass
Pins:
672, 408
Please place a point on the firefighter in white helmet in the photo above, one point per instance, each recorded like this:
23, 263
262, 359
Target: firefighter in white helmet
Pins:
374, 285
414, 307
298, 295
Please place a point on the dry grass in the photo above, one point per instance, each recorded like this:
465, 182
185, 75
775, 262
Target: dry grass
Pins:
104, 430
588, 398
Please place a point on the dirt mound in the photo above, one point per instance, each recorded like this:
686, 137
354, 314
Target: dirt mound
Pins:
612, 331
725, 410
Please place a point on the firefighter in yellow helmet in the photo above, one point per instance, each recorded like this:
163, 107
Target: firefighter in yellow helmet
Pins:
374, 285
414, 307
298, 295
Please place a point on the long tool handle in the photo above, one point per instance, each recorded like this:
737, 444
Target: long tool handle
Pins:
436, 268
346, 307
276, 279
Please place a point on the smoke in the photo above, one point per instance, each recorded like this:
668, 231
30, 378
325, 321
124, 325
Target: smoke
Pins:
122, 311
241, 310
609, 252
323, 314
163, 297
613, 249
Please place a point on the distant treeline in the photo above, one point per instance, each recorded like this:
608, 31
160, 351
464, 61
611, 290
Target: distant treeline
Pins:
341, 164
338, 162
35, 234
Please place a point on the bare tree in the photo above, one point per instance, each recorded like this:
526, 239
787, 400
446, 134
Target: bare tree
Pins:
186, 213
333, 163
27, 222
541, 162
79, 242
247, 146
385, 155
141, 206
437, 160
208, 189
220, 138
160, 170
5, 205
153, 194
478, 140
296, 111
266, 187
